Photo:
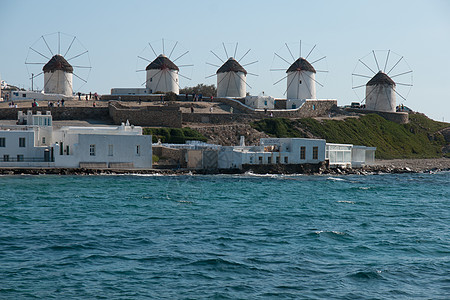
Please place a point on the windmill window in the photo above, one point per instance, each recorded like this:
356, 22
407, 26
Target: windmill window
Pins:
300, 82
151, 79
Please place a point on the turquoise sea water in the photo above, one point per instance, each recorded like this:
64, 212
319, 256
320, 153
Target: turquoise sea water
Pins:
225, 237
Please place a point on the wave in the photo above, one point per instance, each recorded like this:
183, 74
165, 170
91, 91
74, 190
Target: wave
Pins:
367, 275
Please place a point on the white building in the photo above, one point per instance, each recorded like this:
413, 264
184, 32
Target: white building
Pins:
301, 80
231, 79
162, 76
27, 145
58, 75
380, 93
274, 151
36, 144
348, 155
260, 102
38, 96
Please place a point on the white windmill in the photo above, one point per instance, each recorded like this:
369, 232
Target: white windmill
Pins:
301, 74
381, 89
231, 75
58, 72
162, 74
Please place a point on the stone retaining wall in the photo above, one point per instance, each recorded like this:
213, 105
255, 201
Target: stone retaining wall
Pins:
216, 118
397, 117
167, 116
60, 113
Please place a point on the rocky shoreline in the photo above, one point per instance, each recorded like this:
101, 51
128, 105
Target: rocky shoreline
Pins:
397, 166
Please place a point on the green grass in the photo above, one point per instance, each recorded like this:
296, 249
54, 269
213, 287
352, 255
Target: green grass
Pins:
417, 139
174, 135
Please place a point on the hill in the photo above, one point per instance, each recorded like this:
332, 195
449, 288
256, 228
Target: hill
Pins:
420, 138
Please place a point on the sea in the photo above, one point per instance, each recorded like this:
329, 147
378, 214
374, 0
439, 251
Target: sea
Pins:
245, 236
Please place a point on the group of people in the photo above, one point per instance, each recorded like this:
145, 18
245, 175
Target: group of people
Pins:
58, 103
89, 96
13, 105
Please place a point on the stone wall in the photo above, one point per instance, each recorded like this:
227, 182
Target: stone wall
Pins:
60, 113
169, 156
311, 108
212, 118
397, 117
131, 97
166, 116
280, 103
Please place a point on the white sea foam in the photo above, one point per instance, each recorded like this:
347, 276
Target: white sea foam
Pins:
346, 201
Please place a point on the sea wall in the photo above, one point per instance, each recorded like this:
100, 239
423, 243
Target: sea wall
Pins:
286, 168
167, 116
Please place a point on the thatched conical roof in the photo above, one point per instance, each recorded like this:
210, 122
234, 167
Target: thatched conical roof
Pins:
162, 62
301, 64
231, 65
381, 78
57, 62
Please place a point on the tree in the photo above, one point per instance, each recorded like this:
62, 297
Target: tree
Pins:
205, 90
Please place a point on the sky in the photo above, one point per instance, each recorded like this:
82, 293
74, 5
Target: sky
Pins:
115, 33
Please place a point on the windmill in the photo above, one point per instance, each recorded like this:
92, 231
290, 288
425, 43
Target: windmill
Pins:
231, 75
301, 72
162, 74
65, 57
381, 89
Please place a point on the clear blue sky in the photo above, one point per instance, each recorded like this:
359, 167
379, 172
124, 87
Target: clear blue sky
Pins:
116, 32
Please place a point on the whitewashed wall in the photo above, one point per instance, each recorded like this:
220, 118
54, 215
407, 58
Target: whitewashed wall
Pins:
301, 85
231, 84
162, 81
58, 82
380, 97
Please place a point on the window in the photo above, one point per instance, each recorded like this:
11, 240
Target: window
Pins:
138, 150
22, 142
251, 159
2, 142
5, 157
269, 160
278, 160
92, 150
151, 79
299, 82
314, 107
260, 159
43, 140
61, 149
302, 152
24, 95
315, 152
19, 157
67, 150
286, 160
110, 150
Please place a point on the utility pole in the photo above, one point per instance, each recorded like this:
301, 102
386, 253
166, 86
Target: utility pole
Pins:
32, 75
